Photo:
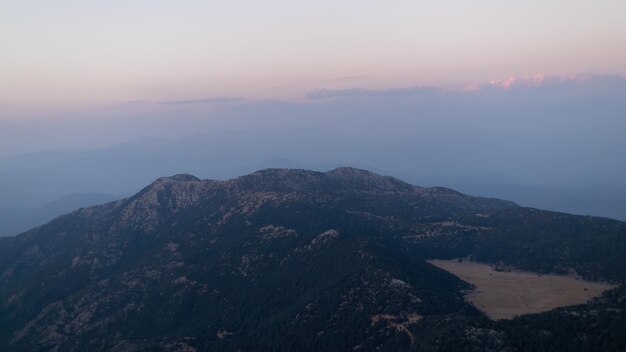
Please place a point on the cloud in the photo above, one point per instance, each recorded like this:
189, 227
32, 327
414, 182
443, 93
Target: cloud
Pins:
524, 81
580, 83
320, 94
210, 100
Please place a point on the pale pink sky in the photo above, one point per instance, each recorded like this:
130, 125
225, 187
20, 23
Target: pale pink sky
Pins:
80, 54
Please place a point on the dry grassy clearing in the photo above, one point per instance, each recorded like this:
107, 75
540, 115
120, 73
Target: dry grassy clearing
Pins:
503, 295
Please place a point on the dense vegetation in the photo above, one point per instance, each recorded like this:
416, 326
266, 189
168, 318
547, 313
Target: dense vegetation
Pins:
284, 260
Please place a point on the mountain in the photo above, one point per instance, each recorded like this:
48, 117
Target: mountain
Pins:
283, 260
29, 181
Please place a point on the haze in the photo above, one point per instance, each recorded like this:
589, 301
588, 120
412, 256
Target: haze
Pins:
72, 54
523, 100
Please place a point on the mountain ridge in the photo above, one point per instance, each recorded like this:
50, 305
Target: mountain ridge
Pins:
292, 258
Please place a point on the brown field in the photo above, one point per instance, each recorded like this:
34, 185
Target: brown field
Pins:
504, 295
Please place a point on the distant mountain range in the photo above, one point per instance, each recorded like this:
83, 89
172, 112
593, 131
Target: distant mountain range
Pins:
29, 181
284, 260
597, 201
19, 220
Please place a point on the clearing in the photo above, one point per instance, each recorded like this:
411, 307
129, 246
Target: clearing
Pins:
504, 294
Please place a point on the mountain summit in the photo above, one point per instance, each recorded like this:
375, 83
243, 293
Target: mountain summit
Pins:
283, 260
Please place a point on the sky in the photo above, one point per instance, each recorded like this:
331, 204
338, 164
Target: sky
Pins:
71, 57
494, 98
532, 91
